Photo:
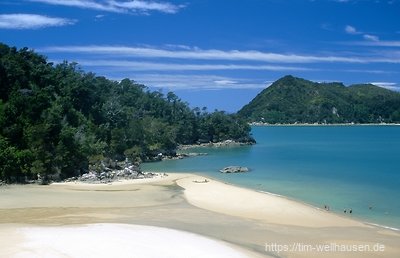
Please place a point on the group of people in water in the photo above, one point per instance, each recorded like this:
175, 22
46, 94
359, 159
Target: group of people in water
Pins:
327, 208
350, 211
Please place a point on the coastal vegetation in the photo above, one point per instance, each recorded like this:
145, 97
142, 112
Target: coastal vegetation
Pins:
57, 120
292, 100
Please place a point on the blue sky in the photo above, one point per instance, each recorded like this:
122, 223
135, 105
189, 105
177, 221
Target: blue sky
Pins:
214, 53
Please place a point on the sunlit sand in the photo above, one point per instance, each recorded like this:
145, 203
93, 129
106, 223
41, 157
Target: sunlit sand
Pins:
153, 217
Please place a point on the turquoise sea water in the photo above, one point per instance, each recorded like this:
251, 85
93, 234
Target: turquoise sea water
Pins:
345, 167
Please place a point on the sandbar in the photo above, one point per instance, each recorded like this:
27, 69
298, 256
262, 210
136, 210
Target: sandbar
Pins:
214, 218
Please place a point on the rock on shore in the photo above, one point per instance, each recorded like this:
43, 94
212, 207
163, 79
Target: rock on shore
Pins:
234, 169
184, 155
226, 143
109, 175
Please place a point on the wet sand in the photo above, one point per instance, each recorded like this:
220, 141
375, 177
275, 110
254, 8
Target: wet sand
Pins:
235, 218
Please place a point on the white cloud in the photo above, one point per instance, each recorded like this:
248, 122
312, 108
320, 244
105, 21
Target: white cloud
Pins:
351, 30
193, 82
157, 66
86, 4
31, 21
134, 6
145, 6
199, 54
383, 83
225, 82
370, 37
387, 85
370, 71
380, 43
99, 16
174, 46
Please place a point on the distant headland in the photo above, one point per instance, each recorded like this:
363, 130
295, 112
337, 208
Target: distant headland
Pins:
292, 100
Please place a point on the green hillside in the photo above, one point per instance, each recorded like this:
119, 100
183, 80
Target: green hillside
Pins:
295, 100
59, 120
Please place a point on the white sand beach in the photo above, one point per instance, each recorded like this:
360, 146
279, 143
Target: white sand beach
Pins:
179, 215
232, 200
114, 240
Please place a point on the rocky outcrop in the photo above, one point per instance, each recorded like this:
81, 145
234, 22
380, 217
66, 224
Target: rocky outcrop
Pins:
226, 143
184, 155
106, 174
234, 169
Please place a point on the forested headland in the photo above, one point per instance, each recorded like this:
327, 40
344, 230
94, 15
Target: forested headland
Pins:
292, 100
56, 119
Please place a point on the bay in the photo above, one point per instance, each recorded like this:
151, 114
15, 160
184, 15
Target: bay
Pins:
343, 167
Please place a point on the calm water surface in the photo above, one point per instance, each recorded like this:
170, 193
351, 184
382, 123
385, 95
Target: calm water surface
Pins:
345, 167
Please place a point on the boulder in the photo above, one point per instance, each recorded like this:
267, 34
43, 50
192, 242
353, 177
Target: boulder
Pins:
91, 176
234, 169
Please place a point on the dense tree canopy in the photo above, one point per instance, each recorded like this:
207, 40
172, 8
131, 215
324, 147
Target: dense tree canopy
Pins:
290, 100
58, 120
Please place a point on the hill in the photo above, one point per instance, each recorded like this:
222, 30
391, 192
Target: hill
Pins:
59, 120
295, 100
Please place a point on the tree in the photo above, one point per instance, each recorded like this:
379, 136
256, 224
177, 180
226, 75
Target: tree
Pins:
57, 121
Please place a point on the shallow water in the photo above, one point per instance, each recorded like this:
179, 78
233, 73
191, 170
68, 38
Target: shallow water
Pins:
344, 167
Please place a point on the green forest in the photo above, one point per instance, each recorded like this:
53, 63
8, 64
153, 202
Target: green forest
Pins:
292, 100
56, 119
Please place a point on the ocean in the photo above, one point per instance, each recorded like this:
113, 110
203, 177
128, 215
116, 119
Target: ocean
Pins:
343, 167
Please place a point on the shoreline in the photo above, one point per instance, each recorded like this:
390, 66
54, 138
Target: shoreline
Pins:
242, 218
322, 125
367, 223
357, 219
382, 226
226, 143
281, 199
161, 177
